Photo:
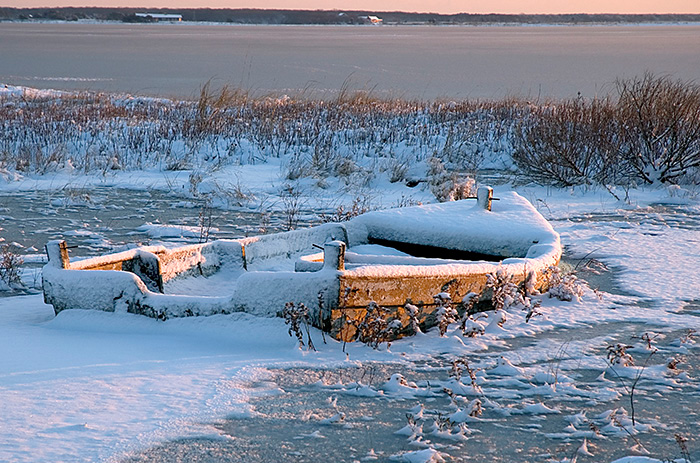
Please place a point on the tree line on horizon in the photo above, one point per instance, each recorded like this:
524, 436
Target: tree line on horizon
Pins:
262, 16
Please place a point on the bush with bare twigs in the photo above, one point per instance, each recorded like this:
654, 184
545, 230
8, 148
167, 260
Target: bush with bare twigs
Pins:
10, 267
660, 129
649, 134
297, 316
377, 327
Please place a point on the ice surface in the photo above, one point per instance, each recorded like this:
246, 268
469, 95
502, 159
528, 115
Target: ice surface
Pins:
172, 231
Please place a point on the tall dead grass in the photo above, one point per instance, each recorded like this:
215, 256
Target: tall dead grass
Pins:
648, 133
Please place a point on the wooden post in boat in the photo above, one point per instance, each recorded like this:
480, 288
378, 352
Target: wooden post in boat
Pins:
334, 255
57, 252
484, 195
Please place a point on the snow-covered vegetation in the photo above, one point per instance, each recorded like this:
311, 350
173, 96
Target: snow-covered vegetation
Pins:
648, 134
603, 367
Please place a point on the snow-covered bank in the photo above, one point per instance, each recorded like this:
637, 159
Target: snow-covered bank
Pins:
355, 143
91, 386
87, 386
83, 387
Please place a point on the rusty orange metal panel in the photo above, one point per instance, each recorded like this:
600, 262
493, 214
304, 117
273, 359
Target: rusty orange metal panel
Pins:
356, 293
117, 265
392, 291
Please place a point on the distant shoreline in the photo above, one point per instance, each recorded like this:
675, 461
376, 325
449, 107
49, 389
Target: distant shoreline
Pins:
328, 17
390, 25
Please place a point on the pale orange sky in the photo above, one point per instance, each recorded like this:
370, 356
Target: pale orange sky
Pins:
437, 6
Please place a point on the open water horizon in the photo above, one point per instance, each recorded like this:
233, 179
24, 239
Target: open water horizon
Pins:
415, 62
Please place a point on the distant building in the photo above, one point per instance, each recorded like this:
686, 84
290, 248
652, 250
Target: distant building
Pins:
160, 16
375, 19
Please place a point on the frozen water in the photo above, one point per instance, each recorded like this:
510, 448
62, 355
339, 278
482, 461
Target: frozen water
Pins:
102, 219
562, 391
187, 394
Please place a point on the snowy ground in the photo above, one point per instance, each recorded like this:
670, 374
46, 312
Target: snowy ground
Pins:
91, 386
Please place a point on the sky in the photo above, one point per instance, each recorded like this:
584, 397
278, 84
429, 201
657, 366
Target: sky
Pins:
435, 6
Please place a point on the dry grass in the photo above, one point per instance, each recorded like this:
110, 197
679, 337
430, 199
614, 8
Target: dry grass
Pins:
650, 133
98, 132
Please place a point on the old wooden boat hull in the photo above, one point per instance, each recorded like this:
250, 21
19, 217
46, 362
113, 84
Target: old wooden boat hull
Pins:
439, 248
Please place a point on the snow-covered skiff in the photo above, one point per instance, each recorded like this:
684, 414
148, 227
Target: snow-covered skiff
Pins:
389, 257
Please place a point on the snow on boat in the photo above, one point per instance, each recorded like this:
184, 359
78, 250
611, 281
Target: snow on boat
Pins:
388, 257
